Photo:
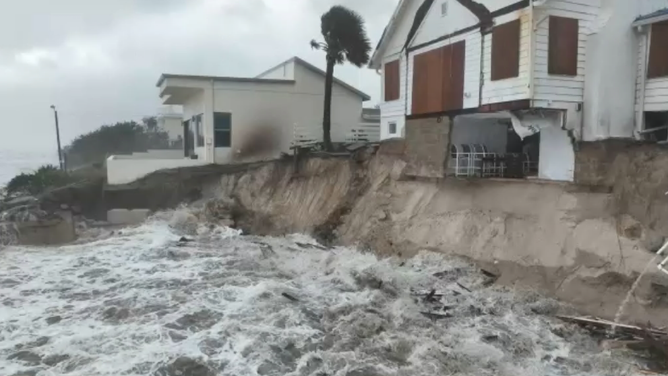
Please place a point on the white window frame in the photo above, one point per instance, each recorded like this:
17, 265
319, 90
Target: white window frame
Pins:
389, 128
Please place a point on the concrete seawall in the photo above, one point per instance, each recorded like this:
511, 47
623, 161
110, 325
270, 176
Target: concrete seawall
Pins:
565, 240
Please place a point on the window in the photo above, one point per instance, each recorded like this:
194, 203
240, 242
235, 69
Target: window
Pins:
392, 128
658, 51
506, 51
444, 8
222, 129
392, 81
563, 46
199, 130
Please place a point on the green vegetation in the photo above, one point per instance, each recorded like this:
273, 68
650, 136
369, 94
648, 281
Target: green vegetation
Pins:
121, 138
345, 40
37, 182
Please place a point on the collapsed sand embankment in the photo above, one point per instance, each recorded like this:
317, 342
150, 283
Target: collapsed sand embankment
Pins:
561, 239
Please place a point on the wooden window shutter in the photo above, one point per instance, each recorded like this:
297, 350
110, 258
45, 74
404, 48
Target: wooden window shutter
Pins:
453, 76
434, 80
658, 51
392, 81
506, 51
420, 83
563, 46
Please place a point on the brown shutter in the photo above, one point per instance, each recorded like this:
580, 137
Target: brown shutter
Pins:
563, 46
420, 82
438, 79
506, 51
392, 81
453, 76
658, 51
435, 80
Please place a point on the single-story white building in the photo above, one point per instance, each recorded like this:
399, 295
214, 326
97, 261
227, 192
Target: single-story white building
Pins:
229, 119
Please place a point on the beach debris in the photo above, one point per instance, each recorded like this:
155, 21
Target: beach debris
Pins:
289, 297
650, 343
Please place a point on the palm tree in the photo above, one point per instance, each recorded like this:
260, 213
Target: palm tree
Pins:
345, 40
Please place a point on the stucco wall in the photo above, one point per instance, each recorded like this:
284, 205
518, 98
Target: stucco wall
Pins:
610, 82
126, 170
256, 108
557, 157
309, 103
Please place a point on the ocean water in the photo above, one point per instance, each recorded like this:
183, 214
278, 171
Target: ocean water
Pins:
140, 302
13, 163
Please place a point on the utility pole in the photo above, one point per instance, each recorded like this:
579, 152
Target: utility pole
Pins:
60, 152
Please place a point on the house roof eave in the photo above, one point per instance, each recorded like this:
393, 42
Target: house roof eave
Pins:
375, 62
651, 18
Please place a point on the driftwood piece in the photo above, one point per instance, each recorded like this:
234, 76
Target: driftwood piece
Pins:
290, 297
463, 287
609, 325
436, 315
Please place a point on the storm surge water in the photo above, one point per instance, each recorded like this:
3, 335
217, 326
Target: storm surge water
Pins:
141, 302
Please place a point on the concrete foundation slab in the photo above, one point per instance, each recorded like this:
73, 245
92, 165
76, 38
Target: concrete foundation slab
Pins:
127, 217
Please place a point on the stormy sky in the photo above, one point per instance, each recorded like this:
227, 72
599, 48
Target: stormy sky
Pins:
98, 61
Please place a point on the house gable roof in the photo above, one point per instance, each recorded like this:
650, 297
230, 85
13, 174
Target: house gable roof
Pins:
479, 10
654, 17
320, 72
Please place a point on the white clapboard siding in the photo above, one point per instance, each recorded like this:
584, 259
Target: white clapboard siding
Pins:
656, 89
554, 87
395, 107
471, 67
510, 89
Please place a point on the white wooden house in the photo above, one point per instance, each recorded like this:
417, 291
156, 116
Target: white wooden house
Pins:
565, 67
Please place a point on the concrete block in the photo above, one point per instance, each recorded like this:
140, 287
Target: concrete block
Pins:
427, 146
127, 217
47, 232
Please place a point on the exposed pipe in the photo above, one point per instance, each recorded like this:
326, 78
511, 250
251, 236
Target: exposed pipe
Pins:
532, 51
482, 66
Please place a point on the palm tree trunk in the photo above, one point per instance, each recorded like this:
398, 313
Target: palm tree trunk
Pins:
327, 112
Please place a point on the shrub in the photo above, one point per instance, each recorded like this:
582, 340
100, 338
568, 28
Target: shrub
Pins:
37, 182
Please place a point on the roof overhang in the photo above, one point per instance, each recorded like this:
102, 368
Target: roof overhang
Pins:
652, 18
476, 8
375, 62
175, 89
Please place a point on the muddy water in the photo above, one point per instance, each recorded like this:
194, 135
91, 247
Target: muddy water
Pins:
141, 303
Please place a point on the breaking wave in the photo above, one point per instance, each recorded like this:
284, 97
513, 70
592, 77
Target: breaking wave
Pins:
144, 301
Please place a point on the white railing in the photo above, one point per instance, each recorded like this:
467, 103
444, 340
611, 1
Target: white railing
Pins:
474, 160
364, 133
310, 135
305, 136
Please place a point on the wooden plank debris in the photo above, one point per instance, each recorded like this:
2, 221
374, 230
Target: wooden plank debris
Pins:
647, 340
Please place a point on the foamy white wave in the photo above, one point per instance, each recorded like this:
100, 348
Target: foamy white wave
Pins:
141, 303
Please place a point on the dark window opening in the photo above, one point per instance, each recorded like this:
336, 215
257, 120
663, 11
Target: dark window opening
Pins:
199, 130
656, 127
563, 46
392, 81
222, 129
188, 139
506, 51
658, 51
